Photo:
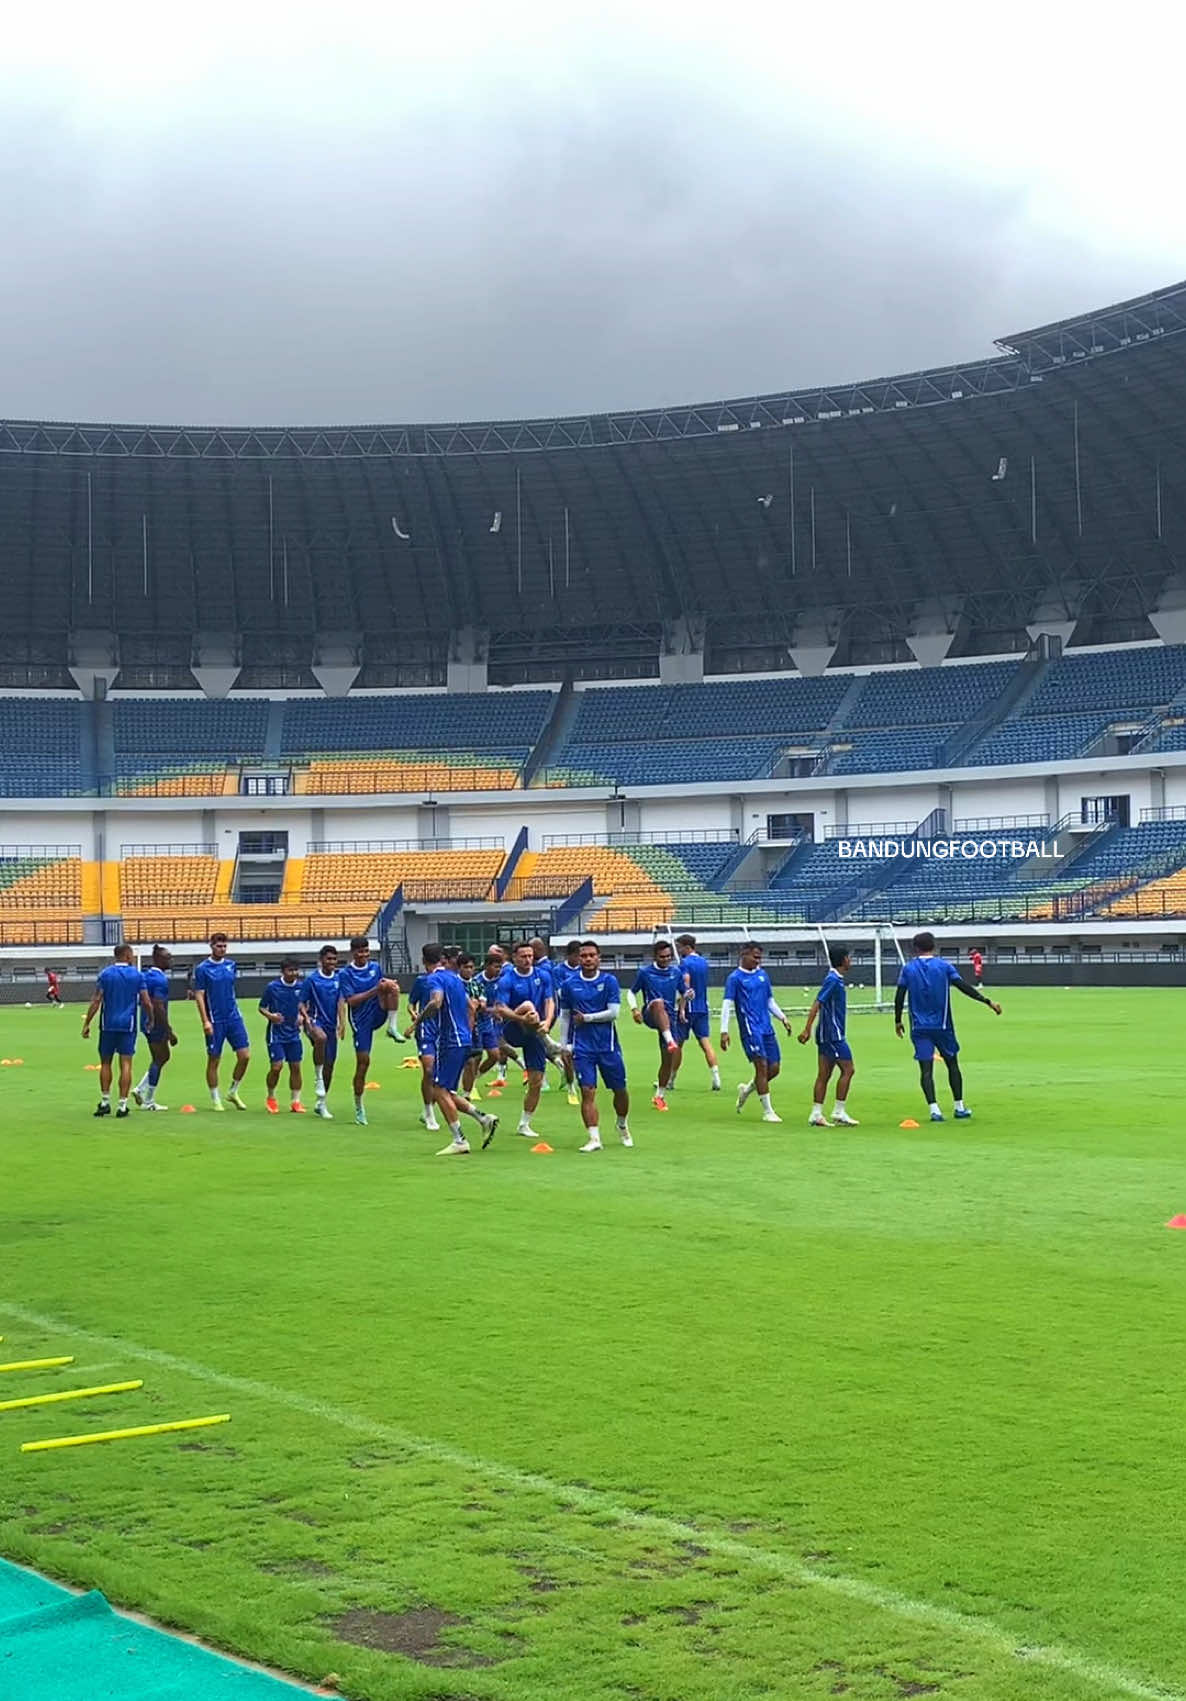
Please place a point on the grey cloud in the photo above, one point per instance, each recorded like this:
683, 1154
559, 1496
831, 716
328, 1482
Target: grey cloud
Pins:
485, 259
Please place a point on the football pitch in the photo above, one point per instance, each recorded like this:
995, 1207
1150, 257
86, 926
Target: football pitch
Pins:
747, 1411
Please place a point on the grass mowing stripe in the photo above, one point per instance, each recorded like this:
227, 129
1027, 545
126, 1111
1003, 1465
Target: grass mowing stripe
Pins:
1065, 1660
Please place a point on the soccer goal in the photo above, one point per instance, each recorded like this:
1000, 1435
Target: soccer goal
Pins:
886, 951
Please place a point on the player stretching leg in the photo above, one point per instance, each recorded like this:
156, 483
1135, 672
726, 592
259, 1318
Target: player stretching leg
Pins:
448, 1006
222, 1023
324, 1016
281, 1006
661, 987
370, 998
927, 981
748, 992
425, 1033
119, 991
695, 1017
562, 972
523, 1003
157, 1031
592, 1000
831, 1006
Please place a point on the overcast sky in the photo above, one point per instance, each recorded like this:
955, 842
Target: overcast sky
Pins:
255, 212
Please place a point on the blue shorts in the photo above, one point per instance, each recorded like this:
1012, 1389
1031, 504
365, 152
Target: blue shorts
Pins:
526, 1041
116, 1045
609, 1064
156, 1036
450, 1066
696, 1023
488, 1034
284, 1050
836, 1051
232, 1032
761, 1047
426, 1039
928, 1041
365, 1022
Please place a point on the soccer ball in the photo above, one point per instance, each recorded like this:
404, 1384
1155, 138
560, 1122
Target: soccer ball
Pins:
28, 1004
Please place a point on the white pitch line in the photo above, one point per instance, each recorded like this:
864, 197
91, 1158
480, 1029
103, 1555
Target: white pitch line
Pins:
983, 1630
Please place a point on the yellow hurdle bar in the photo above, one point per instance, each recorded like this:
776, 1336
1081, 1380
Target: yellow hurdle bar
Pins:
123, 1434
68, 1394
37, 1363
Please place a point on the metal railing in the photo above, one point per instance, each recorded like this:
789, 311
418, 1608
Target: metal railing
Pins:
1168, 812
40, 853
690, 836
294, 921
873, 830
388, 847
126, 851
999, 823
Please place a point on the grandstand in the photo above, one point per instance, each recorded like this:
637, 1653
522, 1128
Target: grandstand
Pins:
630, 670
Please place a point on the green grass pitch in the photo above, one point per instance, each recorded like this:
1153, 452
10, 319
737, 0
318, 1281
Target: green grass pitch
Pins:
744, 1412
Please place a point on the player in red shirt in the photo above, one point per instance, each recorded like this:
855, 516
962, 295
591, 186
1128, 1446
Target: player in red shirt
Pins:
976, 958
53, 990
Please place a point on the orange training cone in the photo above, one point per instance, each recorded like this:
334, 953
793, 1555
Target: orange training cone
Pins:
541, 1146
372, 1086
909, 1123
1177, 1222
187, 1110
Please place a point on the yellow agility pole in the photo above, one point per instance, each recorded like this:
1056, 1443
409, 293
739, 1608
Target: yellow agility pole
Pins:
68, 1394
123, 1434
37, 1363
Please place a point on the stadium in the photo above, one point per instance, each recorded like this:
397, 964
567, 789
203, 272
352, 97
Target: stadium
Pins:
808, 667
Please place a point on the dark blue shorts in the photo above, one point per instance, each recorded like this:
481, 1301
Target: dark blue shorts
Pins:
528, 1044
836, 1051
761, 1046
488, 1034
284, 1050
116, 1045
696, 1023
232, 1032
928, 1041
450, 1066
365, 1022
426, 1039
609, 1064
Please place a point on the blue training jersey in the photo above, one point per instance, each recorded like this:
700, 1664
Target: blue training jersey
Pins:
354, 980
156, 984
928, 988
750, 992
454, 1020
832, 999
695, 970
666, 984
217, 981
418, 997
591, 996
119, 986
562, 973
319, 995
546, 970
284, 998
514, 989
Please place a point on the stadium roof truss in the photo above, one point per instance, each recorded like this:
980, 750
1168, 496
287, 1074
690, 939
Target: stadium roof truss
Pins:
1025, 358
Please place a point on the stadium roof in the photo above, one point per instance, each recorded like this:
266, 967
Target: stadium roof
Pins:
1048, 475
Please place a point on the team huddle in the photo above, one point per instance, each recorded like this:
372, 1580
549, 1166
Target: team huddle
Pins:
520, 1008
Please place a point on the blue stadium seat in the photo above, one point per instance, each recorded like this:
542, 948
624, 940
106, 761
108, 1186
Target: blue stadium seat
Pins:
1111, 679
40, 743
496, 720
226, 728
